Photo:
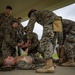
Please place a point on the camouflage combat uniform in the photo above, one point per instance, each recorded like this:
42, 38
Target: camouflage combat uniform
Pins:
37, 63
69, 42
20, 36
32, 49
66, 52
9, 43
20, 32
69, 37
4, 22
45, 18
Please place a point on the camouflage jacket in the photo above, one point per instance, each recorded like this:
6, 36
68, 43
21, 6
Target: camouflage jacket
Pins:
42, 17
68, 27
20, 33
4, 20
34, 40
10, 37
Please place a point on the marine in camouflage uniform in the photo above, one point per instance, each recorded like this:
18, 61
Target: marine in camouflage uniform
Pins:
34, 63
67, 25
69, 41
34, 42
22, 65
64, 52
45, 18
10, 41
5, 19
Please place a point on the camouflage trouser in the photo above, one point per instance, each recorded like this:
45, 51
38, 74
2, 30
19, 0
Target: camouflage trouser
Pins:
70, 47
7, 51
46, 42
70, 50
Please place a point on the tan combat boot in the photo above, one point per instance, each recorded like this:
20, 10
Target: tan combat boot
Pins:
48, 68
69, 63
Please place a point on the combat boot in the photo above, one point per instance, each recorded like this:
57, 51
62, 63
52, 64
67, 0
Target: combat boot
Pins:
48, 68
69, 63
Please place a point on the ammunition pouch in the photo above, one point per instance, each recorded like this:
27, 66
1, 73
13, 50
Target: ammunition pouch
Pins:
57, 24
